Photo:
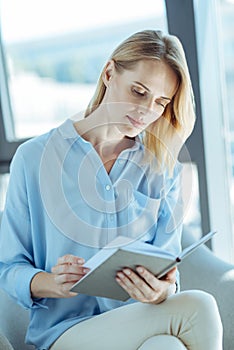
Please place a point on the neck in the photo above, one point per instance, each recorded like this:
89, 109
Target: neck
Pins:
105, 137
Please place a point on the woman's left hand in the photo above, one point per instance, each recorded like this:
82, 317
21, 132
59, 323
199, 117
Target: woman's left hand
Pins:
145, 287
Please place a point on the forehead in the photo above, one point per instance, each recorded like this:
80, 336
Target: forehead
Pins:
156, 75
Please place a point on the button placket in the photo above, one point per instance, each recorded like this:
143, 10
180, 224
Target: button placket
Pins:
108, 187
109, 196
120, 161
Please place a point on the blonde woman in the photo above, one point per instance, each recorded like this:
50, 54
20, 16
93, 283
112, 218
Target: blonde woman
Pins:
114, 172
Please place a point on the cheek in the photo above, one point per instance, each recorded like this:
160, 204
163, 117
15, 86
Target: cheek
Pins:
120, 101
119, 109
123, 94
118, 92
154, 117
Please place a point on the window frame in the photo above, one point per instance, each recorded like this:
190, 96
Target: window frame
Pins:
7, 145
177, 22
191, 25
213, 101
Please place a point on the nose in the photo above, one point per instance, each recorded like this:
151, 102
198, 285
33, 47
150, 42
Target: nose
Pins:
146, 107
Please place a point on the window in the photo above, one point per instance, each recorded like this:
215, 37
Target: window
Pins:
54, 52
191, 200
214, 34
4, 179
226, 11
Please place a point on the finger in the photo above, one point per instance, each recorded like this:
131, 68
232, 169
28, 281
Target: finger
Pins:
67, 278
70, 259
139, 282
70, 269
72, 294
171, 275
129, 287
161, 288
150, 287
149, 278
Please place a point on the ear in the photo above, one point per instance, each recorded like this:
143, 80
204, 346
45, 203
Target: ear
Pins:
108, 72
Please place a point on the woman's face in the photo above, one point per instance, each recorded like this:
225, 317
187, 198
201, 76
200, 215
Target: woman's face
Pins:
136, 98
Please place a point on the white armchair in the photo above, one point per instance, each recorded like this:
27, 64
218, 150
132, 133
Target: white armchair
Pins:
203, 270
4, 343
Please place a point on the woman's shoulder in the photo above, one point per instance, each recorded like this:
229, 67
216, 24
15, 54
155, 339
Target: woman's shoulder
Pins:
32, 149
35, 146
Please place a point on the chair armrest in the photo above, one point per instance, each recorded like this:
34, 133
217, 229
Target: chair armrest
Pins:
13, 322
203, 270
4, 343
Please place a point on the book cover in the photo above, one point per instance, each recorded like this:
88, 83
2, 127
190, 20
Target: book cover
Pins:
100, 281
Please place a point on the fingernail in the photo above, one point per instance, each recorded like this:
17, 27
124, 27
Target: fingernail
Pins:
86, 270
120, 275
80, 261
127, 272
140, 269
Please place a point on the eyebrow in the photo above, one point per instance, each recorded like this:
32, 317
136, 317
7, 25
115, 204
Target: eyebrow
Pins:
146, 88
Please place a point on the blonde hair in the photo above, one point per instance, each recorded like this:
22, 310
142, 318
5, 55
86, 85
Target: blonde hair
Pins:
166, 135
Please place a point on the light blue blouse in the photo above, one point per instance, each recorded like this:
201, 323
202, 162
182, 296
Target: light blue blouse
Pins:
61, 200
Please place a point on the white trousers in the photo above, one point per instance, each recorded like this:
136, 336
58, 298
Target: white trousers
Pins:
188, 320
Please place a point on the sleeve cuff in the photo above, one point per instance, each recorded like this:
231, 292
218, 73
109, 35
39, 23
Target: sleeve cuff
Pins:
23, 282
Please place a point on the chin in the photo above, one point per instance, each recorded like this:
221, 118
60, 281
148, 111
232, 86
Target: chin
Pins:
130, 131
132, 134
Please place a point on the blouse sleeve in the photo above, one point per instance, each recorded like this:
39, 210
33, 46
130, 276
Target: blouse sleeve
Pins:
16, 249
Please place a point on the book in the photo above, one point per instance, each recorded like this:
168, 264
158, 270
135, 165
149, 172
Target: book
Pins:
118, 254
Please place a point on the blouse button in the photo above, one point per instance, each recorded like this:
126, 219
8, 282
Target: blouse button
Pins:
107, 187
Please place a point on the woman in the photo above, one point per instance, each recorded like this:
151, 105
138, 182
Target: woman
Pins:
114, 172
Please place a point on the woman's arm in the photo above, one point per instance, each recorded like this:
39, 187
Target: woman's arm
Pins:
20, 276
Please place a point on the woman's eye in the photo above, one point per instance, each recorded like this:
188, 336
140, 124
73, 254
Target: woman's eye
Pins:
137, 92
159, 103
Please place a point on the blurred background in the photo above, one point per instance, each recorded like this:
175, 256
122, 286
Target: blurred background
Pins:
51, 53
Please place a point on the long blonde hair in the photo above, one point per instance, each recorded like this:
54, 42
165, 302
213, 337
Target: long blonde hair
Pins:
166, 135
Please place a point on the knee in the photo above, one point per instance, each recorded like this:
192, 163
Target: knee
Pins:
204, 306
199, 300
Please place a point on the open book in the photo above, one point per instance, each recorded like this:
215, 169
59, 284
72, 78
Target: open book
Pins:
100, 280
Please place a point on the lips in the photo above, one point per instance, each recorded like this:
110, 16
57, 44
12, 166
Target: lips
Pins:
136, 123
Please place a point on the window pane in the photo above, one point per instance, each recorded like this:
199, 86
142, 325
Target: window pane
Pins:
191, 200
4, 179
56, 49
226, 10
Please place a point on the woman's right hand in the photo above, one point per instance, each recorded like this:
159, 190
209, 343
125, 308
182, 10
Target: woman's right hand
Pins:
57, 284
